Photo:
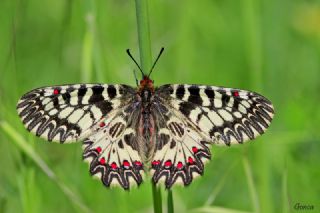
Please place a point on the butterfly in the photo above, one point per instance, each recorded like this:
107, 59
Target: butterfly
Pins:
166, 131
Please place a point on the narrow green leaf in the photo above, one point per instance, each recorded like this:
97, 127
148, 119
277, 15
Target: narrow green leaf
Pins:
251, 185
24, 146
170, 202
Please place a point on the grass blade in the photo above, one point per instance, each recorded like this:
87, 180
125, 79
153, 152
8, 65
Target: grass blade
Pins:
252, 188
170, 202
30, 152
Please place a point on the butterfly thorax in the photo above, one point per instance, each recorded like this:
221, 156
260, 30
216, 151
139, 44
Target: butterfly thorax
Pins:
146, 84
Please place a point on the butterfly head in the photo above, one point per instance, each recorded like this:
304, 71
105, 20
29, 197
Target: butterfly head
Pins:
146, 83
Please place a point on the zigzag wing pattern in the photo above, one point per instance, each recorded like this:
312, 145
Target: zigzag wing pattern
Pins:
180, 151
224, 115
68, 113
192, 117
113, 153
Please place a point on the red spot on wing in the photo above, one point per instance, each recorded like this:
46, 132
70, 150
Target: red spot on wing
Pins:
168, 163
126, 164
155, 162
98, 149
190, 160
236, 93
56, 91
194, 149
114, 165
179, 165
138, 163
102, 124
102, 161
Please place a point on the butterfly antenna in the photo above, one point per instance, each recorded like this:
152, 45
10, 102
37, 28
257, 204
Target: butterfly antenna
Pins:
128, 52
154, 64
135, 77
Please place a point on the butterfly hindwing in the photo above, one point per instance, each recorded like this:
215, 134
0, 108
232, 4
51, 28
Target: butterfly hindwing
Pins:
68, 113
113, 151
180, 152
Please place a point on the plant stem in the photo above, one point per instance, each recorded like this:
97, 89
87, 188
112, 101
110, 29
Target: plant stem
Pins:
170, 202
143, 34
88, 43
145, 61
157, 200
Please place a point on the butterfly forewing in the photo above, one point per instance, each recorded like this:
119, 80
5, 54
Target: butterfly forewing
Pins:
223, 114
68, 113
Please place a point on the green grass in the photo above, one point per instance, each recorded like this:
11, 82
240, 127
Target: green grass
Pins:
272, 47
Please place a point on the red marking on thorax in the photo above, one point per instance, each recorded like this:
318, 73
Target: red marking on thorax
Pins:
146, 83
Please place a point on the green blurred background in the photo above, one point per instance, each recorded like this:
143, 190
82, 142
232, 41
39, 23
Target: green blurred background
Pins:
269, 46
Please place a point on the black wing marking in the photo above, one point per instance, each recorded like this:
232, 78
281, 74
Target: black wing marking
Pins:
113, 151
180, 151
68, 113
189, 118
223, 114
